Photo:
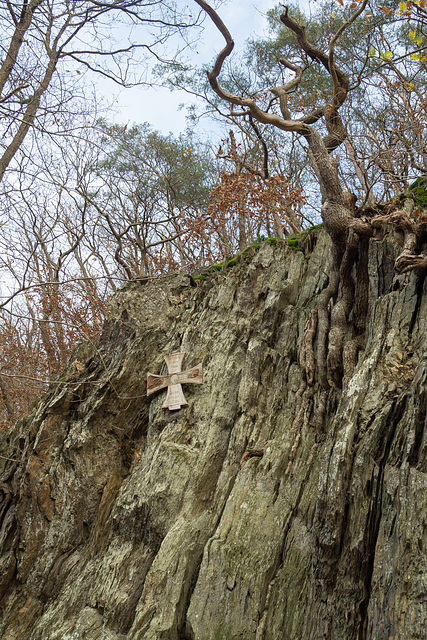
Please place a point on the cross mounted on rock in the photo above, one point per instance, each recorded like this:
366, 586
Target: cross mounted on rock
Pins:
173, 380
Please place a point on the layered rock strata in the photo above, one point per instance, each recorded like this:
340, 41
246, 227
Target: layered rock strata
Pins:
121, 520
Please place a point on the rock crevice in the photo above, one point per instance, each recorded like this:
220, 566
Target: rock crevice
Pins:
120, 520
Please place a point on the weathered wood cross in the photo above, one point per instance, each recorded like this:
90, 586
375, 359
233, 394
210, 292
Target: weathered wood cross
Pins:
175, 398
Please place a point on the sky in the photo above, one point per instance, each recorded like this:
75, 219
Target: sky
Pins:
159, 106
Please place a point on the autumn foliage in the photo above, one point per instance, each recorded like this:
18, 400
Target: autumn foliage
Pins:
37, 340
38, 334
242, 208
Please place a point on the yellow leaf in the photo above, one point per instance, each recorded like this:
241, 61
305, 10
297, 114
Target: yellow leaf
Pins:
412, 34
402, 7
388, 55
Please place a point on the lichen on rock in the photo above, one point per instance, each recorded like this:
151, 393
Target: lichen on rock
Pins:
123, 521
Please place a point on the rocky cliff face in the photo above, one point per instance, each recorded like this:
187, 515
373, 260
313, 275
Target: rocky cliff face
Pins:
121, 520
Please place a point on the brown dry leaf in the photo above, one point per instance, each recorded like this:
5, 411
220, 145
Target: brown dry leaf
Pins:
78, 366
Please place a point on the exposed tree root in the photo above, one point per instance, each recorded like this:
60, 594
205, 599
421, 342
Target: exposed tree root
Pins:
409, 259
323, 320
307, 360
410, 262
341, 311
341, 327
338, 324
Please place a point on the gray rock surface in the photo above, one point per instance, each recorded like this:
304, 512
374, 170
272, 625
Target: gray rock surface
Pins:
120, 520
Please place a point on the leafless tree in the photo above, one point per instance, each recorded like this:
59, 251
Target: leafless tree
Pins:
44, 39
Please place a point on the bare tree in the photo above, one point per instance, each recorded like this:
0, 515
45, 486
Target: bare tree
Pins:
42, 38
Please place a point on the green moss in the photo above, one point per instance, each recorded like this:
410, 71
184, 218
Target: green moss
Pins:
294, 242
418, 191
217, 267
232, 262
260, 239
315, 226
228, 264
214, 268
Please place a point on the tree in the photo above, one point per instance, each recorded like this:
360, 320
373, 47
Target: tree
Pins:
42, 39
247, 145
38, 336
387, 86
244, 208
112, 204
52, 293
340, 336
54, 281
147, 195
277, 204
383, 112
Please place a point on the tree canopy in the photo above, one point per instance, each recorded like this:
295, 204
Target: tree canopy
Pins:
322, 117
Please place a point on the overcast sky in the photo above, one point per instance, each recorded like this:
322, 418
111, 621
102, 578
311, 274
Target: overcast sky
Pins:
158, 106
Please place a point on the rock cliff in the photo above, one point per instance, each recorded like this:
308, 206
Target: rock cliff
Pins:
242, 515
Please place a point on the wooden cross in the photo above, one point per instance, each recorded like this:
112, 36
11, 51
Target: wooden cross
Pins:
175, 398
